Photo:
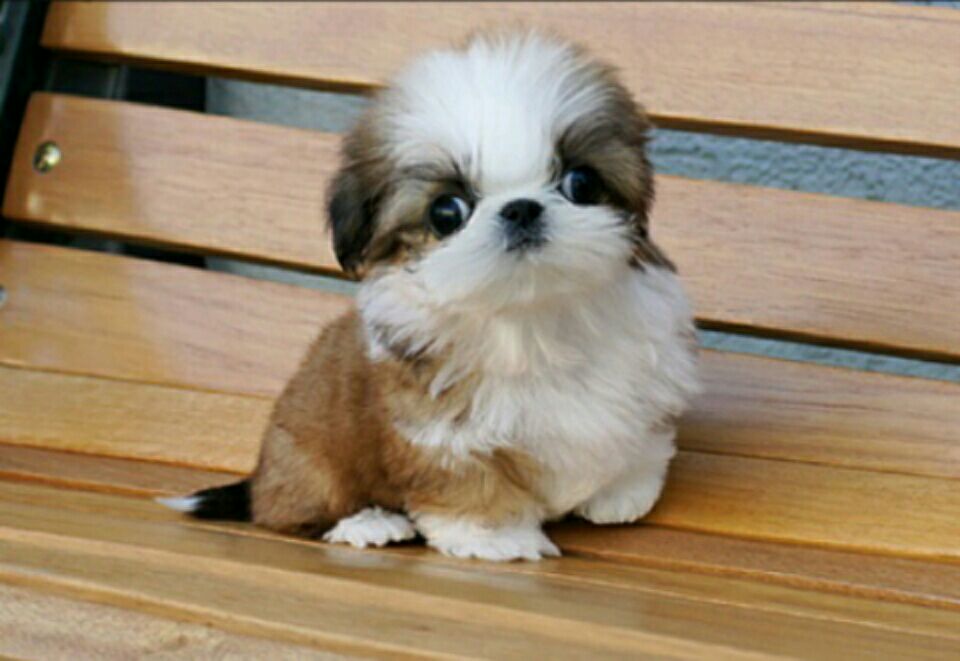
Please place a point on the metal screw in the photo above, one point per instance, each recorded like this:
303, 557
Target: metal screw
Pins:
46, 157
3, 295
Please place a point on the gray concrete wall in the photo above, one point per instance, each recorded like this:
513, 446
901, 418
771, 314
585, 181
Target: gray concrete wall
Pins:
902, 179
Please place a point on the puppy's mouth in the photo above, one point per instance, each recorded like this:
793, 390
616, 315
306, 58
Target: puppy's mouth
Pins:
525, 241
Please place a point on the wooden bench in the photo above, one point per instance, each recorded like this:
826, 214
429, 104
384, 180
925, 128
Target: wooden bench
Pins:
812, 511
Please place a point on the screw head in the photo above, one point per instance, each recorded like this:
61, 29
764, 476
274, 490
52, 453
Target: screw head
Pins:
47, 157
3, 295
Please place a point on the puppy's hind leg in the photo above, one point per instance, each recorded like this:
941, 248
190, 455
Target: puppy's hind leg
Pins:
295, 491
630, 497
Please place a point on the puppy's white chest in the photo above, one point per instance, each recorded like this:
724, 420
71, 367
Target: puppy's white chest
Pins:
584, 427
587, 391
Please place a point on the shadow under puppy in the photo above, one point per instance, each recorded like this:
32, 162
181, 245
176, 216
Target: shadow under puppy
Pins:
520, 347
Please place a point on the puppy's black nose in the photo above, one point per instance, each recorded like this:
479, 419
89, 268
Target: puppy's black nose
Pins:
522, 212
522, 222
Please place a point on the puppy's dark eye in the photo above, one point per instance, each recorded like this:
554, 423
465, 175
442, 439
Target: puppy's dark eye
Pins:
447, 214
582, 185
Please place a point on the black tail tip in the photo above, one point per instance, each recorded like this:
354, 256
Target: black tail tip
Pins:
226, 503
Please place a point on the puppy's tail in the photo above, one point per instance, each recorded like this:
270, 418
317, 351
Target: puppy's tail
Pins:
228, 503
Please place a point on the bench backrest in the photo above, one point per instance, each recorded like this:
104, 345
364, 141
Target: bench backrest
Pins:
774, 450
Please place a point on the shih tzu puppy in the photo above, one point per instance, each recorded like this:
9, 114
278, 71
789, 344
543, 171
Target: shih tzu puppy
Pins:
520, 348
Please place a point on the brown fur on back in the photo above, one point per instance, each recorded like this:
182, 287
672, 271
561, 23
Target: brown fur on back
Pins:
330, 448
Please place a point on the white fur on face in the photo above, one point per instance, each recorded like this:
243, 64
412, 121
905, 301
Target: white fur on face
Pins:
495, 112
474, 271
496, 108
580, 360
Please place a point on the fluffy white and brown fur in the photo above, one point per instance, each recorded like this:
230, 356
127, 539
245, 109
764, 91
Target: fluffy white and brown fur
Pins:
485, 383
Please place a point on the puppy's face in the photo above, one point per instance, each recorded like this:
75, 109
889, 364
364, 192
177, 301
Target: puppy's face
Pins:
507, 173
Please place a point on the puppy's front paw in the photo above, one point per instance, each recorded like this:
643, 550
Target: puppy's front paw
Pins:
499, 546
371, 527
466, 539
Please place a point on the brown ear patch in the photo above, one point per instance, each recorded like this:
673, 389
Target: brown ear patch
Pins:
356, 194
645, 251
352, 214
613, 142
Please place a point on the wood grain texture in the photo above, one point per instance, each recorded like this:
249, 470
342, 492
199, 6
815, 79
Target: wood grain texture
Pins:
937, 589
34, 625
777, 409
91, 313
177, 178
774, 262
871, 576
130, 420
571, 606
753, 407
334, 614
137, 321
107, 474
831, 74
814, 505
735, 495
815, 267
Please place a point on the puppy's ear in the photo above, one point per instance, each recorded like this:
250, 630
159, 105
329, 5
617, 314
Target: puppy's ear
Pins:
351, 208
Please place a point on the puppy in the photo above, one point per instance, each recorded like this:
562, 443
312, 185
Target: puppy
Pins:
521, 348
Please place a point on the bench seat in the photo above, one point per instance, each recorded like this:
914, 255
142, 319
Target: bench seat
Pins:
131, 424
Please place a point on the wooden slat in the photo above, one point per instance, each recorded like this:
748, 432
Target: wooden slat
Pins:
860, 74
35, 625
140, 321
816, 505
130, 420
567, 605
331, 614
776, 262
177, 178
99, 473
874, 576
91, 313
780, 409
825, 268
870, 576
753, 407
